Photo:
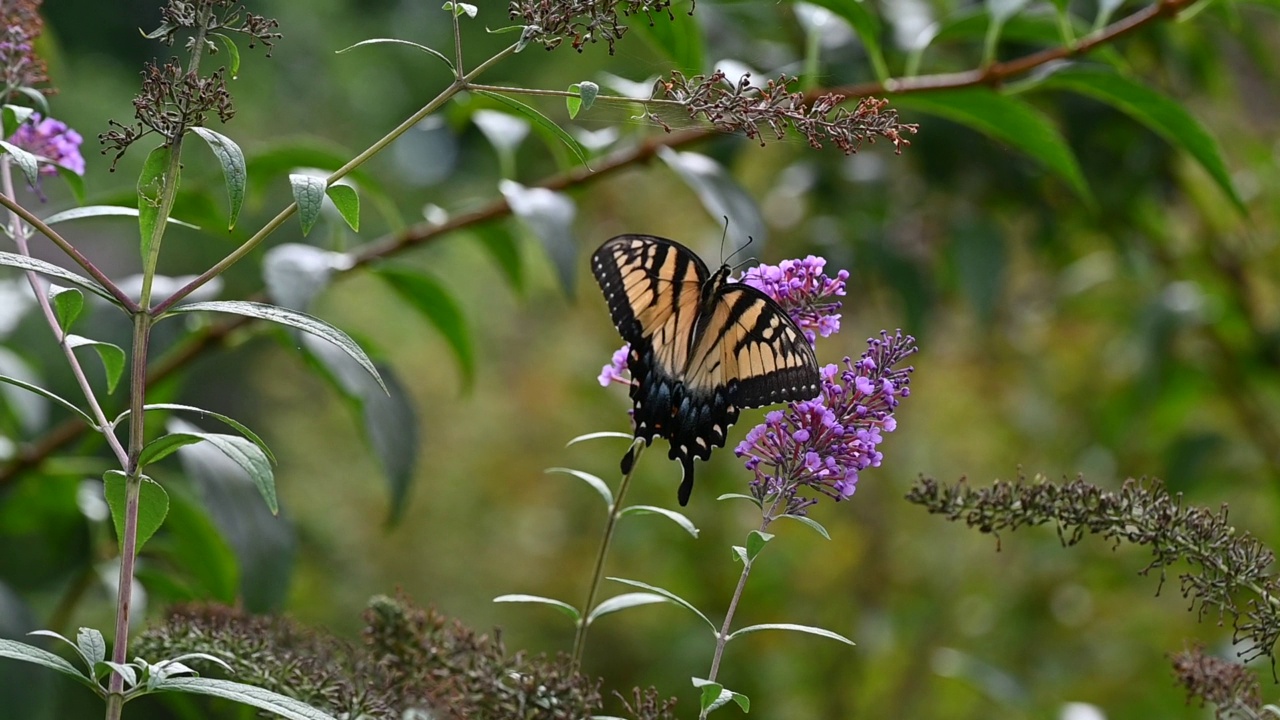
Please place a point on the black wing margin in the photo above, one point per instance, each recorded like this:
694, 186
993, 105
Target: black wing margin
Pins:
638, 273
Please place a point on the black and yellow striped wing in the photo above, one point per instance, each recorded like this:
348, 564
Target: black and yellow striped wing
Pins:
701, 348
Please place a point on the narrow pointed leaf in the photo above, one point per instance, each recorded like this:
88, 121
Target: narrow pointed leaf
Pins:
549, 215
239, 427
251, 459
592, 480
50, 395
397, 41
867, 26
91, 211
597, 435
250, 695
292, 318
74, 181
739, 496
15, 650
721, 195
817, 526
670, 596
347, 201
794, 628
112, 357
150, 190
677, 36
541, 121
28, 163
622, 602
67, 304
233, 54
153, 505
438, 307
675, 517
560, 605
231, 157
50, 270
1008, 120
308, 193
164, 446
1160, 113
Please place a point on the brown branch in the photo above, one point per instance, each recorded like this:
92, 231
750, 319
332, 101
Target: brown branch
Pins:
993, 75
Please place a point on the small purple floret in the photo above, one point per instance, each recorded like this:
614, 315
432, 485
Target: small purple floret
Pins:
804, 291
612, 372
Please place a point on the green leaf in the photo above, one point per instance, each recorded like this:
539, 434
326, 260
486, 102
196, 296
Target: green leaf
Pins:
233, 54
542, 121
291, 318
193, 543
103, 211
592, 480
127, 672
15, 650
1002, 11
756, 541
13, 117
204, 413
28, 163
792, 627
560, 605
866, 24
739, 496
1106, 8
233, 169
670, 596
721, 195
677, 36
153, 505
150, 190
501, 244
250, 695
91, 646
1007, 120
461, 8
49, 269
67, 304
817, 526
347, 201
164, 446
598, 435
622, 602
74, 181
397, 41
671, 515
1158, 112
308, 193
112, 357
244, 453
438, 307
50, 395
715, 696
549, 215
295, 274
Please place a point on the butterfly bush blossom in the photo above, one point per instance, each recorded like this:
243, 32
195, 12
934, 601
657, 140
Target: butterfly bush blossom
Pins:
53, 140
822, 444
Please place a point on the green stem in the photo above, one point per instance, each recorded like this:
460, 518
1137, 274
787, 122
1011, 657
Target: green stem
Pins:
615, 512
238, 254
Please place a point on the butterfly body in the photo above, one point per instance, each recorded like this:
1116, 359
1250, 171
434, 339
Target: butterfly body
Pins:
702, 348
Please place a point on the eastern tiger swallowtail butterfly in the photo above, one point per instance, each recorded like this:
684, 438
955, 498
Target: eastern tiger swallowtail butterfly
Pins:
702, 348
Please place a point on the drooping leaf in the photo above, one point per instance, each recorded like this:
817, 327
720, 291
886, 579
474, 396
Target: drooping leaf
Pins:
112, 357
721, 195
153, 505
290, 318
1007, 120
233, 168
23, 652
164, 446
233, 54
249, 457
23, 262
597, 435
600, 486
439, 308
678, 518
347, 201
670, 596
560, 605
677, 36
808, 629
867, 26
550, 216
756, 541
295, 273
50, 395
622, 602
810, 522
542, 121
241, 428
250, 695
91, 211
308, 193
397, 41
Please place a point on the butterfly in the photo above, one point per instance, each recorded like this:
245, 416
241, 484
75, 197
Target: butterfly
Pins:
702, 348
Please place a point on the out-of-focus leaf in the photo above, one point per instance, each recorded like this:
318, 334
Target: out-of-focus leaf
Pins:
233, 168
1157, 111
233, 54
677, 36
295, 273
112, 357
308, 193
153, 505
867, 26
31, 387
151, 187
502, 246
291, 318
199, 554
23, 262
541, 121
435, 304
978, 250
721, 195
560, 605
397, 41
1008, 120
549, 215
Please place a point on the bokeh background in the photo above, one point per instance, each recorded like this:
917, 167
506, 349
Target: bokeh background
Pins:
1134, 338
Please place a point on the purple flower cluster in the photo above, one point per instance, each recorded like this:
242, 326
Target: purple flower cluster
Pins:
612, 372
823, 444
804, 290
53, 140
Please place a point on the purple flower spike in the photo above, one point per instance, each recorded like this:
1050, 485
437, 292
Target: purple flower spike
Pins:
804, 291
53, 140
823, 444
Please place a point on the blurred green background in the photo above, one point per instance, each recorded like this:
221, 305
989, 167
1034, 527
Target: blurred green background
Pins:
1134, 338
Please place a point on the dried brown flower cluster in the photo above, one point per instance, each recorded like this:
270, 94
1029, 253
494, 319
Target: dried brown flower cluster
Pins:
411, 659
1230, 687
20, 25
171, 100
1227, 566
551, 22
214, 16
742, 107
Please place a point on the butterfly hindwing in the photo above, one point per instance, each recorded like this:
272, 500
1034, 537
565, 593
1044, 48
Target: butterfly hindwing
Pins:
701, 348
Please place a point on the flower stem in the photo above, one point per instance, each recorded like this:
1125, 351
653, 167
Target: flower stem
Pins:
615, 511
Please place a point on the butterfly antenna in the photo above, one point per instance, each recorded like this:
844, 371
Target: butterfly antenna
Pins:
746, 261
723, 236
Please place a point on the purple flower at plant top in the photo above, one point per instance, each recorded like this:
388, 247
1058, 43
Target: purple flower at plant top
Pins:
53, 140
613, 371
804, 291
822, 444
